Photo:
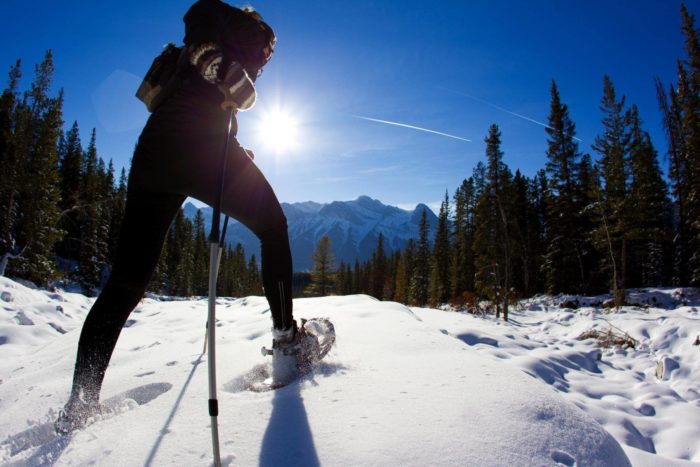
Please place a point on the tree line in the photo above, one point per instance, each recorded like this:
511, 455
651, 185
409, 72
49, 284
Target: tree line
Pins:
577, 226
61, 205
580, 225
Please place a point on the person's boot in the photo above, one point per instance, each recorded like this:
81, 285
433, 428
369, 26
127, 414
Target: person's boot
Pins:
75, 414
293, 350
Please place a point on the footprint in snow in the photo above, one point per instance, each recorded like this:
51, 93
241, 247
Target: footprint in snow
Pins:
563, 458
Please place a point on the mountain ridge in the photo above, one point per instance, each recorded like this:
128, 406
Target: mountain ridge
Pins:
352, 226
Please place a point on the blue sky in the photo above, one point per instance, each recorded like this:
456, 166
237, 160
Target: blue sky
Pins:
454, 67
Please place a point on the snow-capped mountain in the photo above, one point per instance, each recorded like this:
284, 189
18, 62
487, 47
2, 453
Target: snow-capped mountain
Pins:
352, 226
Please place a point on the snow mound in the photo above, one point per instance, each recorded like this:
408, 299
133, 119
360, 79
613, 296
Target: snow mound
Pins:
396, 390
646, 396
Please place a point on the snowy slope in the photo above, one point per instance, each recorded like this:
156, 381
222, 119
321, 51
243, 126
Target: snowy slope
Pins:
402, 387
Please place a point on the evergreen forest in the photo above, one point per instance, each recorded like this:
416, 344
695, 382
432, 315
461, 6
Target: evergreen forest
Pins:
584, 223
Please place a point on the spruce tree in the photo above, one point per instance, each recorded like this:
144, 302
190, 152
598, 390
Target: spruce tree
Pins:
649, 228
117, 207
390, 282
93, 228
200, 257
254, 281
322, 275
420, 277
404, 273
70, 170
379, 269
462, 263
180, 256
440, 288
564, 256
11, 164
613, 146
493, 240
689, 104
38, 137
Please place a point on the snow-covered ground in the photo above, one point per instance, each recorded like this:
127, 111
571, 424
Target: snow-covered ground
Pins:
402, 386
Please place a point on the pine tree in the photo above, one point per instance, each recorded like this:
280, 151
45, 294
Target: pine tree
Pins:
38, 136
522, 217
440, 287
254, 281
93, 228
322, 275
11, 165
613, 147
180, 256
70, 171
200, 257
462, 267
420, 278
564, 257
689, 105
537, 231
649, 228
588, 185
680, 109
392, 270
117, 206
378, 269
160, 281
493, 240
404, 273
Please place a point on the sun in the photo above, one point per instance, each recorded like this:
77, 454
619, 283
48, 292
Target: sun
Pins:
278, 131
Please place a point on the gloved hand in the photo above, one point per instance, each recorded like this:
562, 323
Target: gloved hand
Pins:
237, 87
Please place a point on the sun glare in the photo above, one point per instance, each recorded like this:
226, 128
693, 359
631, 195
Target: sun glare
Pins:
278, 131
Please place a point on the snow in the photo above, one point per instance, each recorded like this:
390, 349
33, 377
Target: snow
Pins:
403, 386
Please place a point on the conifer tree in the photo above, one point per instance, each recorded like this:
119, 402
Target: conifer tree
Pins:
613, 146
117, 206
440, 287
92, 217
378, 269
341, 282
404, 273
564, 256
357, 278
11, 166
689, 105
390, 282
348, 288
462, 267
200, 257
70, 171
681, 117
322, 275
237, 274
420, 278
180, 255
160, 281
254, 282
493, 218
537, 231
38, 137
648, 199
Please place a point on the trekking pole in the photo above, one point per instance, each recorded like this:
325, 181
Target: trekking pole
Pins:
215, 245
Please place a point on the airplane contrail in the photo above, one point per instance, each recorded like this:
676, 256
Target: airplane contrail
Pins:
403, 125
498, 107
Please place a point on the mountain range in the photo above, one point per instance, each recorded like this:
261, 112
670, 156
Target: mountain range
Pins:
353, 228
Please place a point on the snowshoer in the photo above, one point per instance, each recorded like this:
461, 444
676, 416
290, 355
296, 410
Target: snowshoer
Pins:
177, 156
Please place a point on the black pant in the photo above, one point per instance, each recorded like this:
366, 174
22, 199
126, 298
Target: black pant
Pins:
178, 155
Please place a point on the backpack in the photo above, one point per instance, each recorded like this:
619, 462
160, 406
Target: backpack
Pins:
159, 76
